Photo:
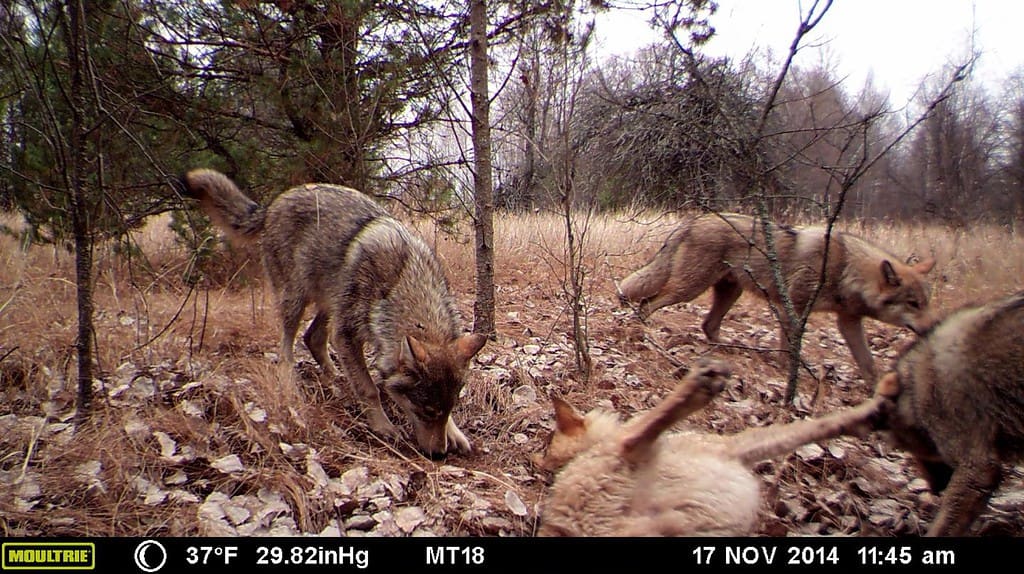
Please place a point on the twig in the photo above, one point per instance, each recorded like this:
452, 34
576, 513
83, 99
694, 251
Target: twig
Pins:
8, 354
36, 434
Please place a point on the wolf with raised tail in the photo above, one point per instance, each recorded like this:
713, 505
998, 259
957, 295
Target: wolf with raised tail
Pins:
960, 409
728, 253
633, 479
371, 282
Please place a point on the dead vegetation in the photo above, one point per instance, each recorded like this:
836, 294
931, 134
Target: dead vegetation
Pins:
196, 433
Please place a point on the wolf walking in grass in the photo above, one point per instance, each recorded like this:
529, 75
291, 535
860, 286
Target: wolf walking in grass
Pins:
960, 410
370, 281
630, 479
728, 253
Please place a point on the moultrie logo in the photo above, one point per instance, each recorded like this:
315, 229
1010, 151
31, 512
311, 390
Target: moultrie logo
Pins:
48, 556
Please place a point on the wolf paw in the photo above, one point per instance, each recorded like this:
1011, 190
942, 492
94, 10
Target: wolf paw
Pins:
383, 427
710, 374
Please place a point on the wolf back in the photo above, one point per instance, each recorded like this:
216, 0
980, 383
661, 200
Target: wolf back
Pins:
370, 279
728, 253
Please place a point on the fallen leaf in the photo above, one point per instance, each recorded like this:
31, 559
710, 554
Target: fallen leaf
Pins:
228, 464
515, 504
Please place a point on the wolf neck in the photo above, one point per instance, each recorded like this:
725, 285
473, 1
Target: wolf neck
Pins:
418, 303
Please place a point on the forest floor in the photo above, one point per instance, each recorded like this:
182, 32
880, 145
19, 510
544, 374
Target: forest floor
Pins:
196, 432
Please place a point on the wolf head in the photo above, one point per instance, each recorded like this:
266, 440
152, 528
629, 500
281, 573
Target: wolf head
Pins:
427, 383
574, 433
903, 295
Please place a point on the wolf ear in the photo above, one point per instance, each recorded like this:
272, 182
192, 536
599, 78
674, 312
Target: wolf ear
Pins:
923, 267
467, 346
889, 274
567, 420
413, 349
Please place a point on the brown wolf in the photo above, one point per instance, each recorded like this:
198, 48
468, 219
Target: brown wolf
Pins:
623, 480
727, 253
960, 411
370, 281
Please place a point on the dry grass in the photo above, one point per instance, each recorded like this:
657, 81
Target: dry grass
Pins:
196, 364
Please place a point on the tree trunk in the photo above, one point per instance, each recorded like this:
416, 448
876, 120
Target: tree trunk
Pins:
77, 55
531, 79
483, 193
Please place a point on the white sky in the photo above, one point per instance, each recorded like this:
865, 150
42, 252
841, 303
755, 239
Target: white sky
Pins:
899, 41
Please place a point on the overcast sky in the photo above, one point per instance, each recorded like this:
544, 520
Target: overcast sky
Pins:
899, 41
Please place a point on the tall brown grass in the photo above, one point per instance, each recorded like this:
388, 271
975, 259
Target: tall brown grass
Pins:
213, 345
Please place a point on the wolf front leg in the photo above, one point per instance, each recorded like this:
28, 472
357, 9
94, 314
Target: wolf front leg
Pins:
762, 443
853, 333
351, 354
965, 498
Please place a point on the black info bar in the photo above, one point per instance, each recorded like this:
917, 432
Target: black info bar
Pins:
523, 555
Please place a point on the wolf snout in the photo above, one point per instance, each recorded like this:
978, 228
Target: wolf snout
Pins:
922, 323
436, 448
433, 438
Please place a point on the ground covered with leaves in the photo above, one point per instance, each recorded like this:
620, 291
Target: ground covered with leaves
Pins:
196, 431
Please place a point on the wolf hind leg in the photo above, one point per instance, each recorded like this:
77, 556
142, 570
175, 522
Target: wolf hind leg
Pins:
315, 339
701, 384
966, 496
291, 309
726, 291
351, 354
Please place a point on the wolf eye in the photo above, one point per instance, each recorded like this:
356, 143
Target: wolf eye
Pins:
913, 304
401, 386
431, 413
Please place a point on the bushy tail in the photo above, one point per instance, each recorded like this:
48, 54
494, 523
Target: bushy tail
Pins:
700, 385
646, 282
225, 204
763, 443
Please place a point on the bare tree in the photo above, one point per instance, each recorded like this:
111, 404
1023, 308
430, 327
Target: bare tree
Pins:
569, 73
81, 156
951, 162
1014, 164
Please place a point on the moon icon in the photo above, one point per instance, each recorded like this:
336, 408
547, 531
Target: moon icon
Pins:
140, 556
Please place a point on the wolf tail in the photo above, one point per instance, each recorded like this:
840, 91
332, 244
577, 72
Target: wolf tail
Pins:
647, 282
757, 444
225, 204
643, 283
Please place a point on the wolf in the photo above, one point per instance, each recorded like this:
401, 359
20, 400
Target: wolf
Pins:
960, 409
371, 282
628, 479
727, 252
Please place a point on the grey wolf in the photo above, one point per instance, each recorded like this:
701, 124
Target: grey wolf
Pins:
727, 253
371, 282
628, 479
960, 410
